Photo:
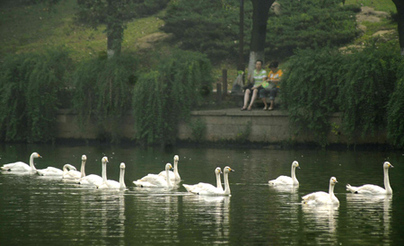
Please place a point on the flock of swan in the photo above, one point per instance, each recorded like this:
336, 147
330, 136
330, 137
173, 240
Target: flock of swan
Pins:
169, 179
165, 179
324, 198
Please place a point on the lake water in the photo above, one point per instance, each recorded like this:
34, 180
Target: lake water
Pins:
38, 211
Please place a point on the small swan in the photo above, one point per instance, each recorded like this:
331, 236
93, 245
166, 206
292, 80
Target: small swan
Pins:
21, 167
197, 188
374, 189
174, 176
285, 180
112, 184
321, 197
215, 191
70, 173
50, 171
155, 180
95, 180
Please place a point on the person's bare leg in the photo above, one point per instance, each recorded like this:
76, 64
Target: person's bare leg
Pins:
271, 105
254, 96
264, 100
246, 97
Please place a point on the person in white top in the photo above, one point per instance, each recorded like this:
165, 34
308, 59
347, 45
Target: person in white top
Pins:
258, 77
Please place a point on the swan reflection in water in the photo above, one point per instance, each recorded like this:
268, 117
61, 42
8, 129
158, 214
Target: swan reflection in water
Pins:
211, 213
321, 218
370, 211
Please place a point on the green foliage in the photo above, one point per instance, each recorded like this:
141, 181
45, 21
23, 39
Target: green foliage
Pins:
367, 85
165, 96
210, 27
103, 91
309, 23
198, 127
310, 88
29, 89
395, 109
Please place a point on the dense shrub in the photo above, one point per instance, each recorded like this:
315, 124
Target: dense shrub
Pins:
166, 95
395, 111
29, 89
103, 92
310, 90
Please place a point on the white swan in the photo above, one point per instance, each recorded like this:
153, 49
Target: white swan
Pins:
155, 180
197, 188
112, 184
174, 176
374, 189
50, 171
95, 180
70, 173
215, 191
321, 197
22, 167
285, 180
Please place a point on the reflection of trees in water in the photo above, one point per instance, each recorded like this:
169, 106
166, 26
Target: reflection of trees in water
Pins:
208, 216
370, 215
320, 223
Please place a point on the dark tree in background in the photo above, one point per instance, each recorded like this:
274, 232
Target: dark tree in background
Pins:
400, 22
114, 14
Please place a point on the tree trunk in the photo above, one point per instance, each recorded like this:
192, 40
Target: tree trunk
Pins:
114, 29
258, 33
400, 25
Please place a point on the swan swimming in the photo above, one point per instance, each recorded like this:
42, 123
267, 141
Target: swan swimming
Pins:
374, 189
174, 176
112, 184
155, 180
321, 197
70, 173
197, 188
95, 180
21, 167
285, 180
215, 191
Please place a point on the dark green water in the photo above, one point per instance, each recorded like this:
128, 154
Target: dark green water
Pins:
38, 211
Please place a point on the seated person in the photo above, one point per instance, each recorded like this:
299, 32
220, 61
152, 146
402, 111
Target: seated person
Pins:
258, 77
271, 85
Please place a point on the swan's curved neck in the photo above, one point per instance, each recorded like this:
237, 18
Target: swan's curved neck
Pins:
121, 178
218, 181
82, 168
31, 163
331, 190
387, 182
176, 169
293, 174
104, 171
226, 183
167, 175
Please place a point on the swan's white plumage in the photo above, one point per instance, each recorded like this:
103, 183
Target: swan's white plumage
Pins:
95, 180
286, 180
374, 189
174, 175
197, 188
112, 184
155, 180
50, 171
321, 197
22, 167
215, 191
71, 174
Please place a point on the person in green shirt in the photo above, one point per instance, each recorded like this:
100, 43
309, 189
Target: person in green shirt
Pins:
258, 77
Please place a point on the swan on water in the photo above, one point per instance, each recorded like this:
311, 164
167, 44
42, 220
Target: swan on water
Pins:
22, 167
93, 179
196, 188
374, 189
215, 191
70, 173
321, 197
112, 184
174, 176
155, 180
286, 180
